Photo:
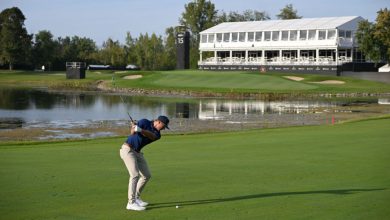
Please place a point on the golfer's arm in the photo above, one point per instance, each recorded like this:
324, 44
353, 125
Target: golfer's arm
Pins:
149, 134
132, 130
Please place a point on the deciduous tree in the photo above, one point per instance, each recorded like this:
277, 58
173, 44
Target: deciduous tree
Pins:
15, 43
382, 31
44, 49
247, 15
374, 38
198, 15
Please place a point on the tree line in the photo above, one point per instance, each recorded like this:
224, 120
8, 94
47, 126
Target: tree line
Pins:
19, 49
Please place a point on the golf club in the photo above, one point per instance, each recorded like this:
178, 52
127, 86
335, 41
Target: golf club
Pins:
131, 119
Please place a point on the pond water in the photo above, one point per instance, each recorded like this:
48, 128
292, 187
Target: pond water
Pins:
78, 115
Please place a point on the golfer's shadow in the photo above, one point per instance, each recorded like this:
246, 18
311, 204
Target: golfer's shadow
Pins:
257, 196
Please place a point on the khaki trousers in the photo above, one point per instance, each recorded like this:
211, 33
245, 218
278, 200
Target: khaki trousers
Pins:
138, 170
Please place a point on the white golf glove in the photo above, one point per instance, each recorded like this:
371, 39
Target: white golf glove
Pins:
137, 129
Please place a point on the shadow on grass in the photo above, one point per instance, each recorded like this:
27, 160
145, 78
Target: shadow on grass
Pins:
258, 196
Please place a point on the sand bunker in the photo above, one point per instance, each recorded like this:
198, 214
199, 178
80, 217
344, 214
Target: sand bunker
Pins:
330, 82
295, 78
133, 77
327, 82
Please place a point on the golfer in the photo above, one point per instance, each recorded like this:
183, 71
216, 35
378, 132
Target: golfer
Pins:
142, 133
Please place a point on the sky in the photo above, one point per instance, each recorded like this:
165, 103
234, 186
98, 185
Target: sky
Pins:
103, 19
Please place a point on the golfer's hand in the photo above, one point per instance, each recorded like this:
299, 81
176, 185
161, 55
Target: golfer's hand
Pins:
136, 128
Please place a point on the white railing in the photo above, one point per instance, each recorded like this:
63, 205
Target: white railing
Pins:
275, 61
75, 65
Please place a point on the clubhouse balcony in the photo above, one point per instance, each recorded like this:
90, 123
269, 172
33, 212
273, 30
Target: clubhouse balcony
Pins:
311, 42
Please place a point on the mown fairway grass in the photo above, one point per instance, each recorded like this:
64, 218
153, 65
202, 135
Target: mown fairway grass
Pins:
196, 80
314, 172
248, 82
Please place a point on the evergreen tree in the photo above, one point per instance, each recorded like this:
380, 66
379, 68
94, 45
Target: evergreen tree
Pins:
288, 12
129, 49
169, 58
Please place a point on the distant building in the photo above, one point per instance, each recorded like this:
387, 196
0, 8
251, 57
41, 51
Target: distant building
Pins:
298, 45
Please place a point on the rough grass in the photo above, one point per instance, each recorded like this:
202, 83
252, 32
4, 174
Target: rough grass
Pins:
316, 172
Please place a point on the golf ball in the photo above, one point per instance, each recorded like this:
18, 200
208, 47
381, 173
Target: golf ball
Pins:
177, 206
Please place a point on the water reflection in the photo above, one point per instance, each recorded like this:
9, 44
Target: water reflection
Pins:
219, 109
37, 108
384, 101
13, 99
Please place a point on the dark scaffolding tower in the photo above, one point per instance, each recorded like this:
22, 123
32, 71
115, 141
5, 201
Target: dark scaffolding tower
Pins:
182, 48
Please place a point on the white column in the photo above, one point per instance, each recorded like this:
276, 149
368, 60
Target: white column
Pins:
317, 55
215, 108
351, 55
280, 55
262, 56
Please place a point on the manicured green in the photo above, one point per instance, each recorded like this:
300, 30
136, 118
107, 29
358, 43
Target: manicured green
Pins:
197, 81
228, 80
313, 172
248, 82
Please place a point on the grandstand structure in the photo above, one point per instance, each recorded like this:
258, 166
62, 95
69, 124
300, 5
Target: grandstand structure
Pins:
325, 44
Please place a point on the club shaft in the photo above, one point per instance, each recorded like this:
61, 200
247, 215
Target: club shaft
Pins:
131, 119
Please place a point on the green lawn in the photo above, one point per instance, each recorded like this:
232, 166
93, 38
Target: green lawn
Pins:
248, 82
195, 80
229, 80
313, 172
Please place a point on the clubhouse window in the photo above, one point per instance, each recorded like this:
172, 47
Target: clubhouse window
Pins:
259, 36
234, 37
267, 35
275, 35
203, 38
251, 36
284, 35
348, 34
226, 37
321, 35
331, 34
241, 36
219, 37
341, 34
302, 34
211, 38
293, 35
312, 34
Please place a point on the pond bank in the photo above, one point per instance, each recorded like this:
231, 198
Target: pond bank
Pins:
104, 86
181, 126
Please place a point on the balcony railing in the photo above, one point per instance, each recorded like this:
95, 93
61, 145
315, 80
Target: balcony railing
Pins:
322, 60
